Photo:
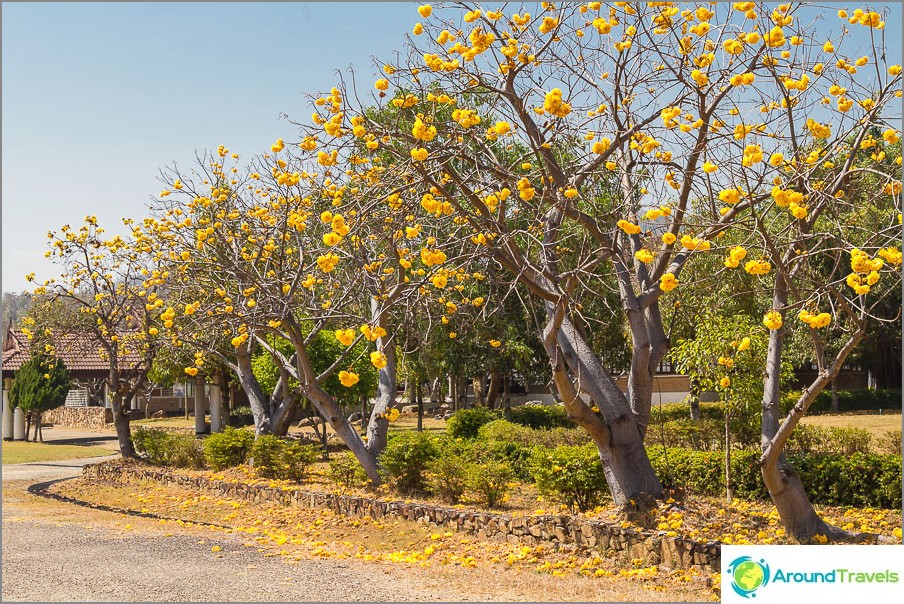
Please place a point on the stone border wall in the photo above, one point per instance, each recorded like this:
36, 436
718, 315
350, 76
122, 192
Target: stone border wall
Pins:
554, 531
78, 417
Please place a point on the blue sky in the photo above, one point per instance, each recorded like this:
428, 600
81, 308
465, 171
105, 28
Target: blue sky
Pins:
97, 97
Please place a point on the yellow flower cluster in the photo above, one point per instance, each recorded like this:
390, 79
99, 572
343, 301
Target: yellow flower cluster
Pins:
378, 359
432, 257
466, 117
628, 227
668, 282
695, 243
553, 103
785, 197
860, 262
891, 255
669, 238
327, 262
422, 131
372, 333
345, 336
644, 256
757, 267
731, 196
772, 319
525, 190
753, 154
735, 255
348, 378
815, 321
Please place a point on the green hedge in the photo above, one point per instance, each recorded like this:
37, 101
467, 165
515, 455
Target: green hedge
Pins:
856, 480
541, 417
856, 400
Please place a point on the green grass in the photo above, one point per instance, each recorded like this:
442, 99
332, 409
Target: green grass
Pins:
165, 422
21, 452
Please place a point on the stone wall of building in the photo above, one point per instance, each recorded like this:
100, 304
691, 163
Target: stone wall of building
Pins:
78, 417
554, 531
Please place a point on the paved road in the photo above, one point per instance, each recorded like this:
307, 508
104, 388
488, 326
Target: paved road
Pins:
37, 471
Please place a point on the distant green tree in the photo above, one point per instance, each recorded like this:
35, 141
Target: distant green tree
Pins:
40, 385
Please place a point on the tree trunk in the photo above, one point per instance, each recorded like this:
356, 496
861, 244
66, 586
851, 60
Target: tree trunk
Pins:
364, 415
28, 427
478, 384
507, 395
493, 390
256, 399
797, 514
728, 485
835, 406
694, 396
40, 429
420, 406
626, 466
331, 412
378, 426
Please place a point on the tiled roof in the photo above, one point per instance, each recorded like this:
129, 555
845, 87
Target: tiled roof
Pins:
80, 353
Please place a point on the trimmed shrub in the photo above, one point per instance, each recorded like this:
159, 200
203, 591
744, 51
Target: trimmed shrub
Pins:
346, 470
856, 480
681, 411
540, 417
466, 423
570, 475
282, 459
163, 448
890, 442
447, 475
491, 480
515, 456
855, 400
405, 459
501, 430
228, 448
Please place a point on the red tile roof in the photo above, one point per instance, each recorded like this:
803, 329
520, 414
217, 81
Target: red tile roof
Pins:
81, 354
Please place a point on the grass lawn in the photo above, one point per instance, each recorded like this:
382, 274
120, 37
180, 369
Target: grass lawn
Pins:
21, 452
876, 424
165, 422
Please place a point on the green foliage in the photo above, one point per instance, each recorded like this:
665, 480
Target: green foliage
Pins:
678, 411
700, 435
856, 480
502, 431
346, 470
447, 475
171, 449
41, 384
282, 459
853, 400
890, 442
405, 458
834, 440
228, 448
466, 423
515, 456
570, 475
541, 416
490, 479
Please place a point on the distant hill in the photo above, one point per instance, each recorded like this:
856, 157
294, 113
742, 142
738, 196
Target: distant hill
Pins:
14, 306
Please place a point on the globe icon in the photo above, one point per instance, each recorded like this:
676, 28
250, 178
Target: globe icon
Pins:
748, 575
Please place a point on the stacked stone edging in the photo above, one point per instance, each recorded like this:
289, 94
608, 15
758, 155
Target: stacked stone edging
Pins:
78, 417
551, 530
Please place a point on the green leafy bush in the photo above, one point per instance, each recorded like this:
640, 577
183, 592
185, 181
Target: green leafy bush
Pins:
855, 400
680, 411
830, 479
890, 442
228, 448
405, 458
491, 480
447, 475
700, 435
346, 470
570, 475
282, 459
834, 441
466, 423
515, 456
164, 448
541, 417
501, 430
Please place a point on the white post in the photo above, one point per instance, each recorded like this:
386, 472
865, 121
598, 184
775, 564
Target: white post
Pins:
216, 407
7, 412
200, 424
19, 424
108, 400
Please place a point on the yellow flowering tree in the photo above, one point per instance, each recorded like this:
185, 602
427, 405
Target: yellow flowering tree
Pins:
103, 299
594, 143
286, 247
